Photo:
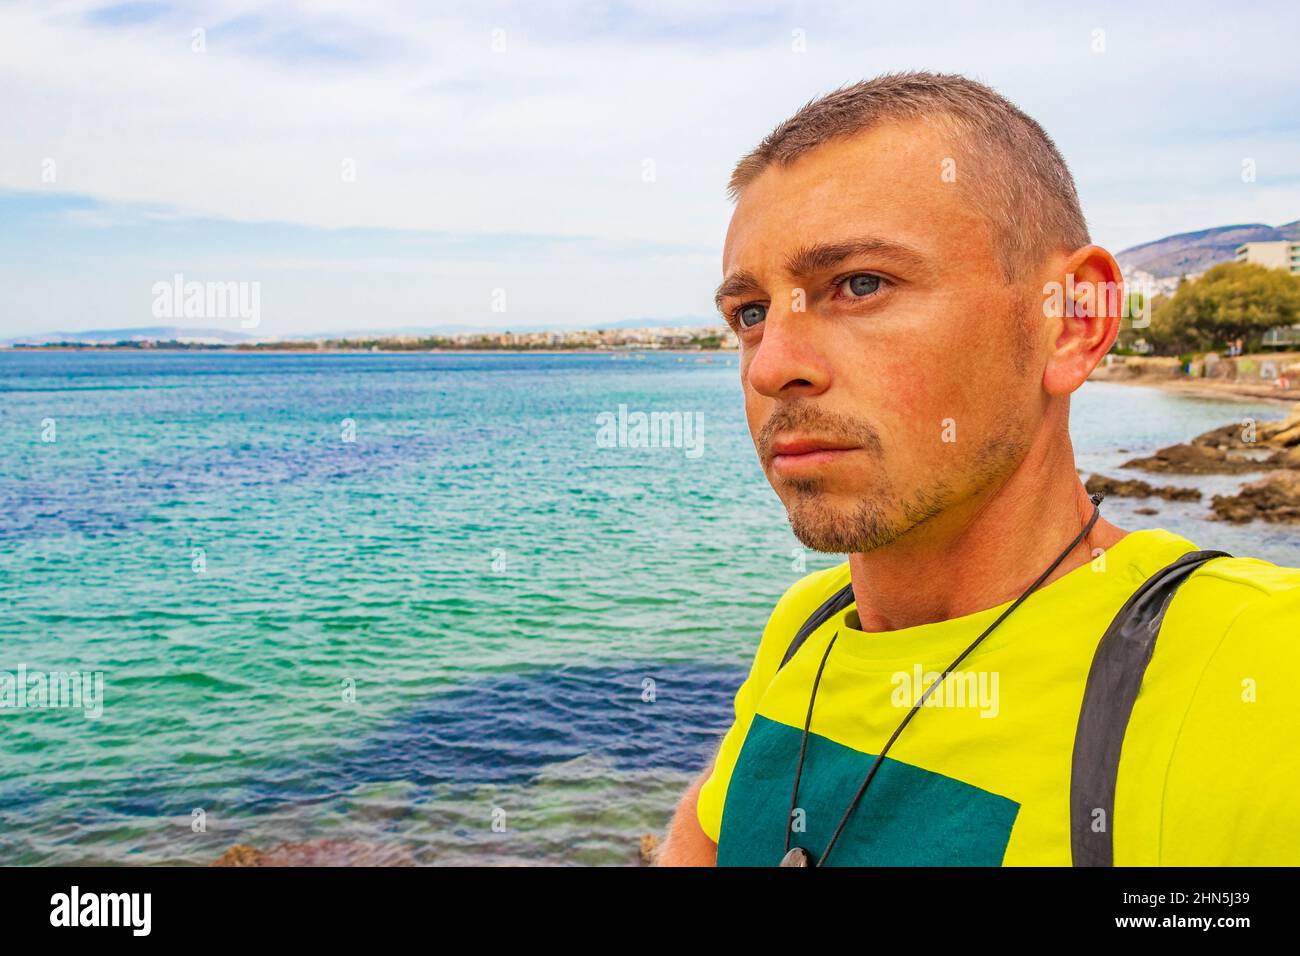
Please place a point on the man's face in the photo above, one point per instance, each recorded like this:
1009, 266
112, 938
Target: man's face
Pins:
890, 372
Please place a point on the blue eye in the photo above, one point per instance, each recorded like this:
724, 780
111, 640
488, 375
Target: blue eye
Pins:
750, 315
861, 285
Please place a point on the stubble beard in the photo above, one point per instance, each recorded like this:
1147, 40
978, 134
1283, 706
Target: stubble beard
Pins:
872, 522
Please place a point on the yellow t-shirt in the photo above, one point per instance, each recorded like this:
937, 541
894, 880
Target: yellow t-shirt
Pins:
1209, 772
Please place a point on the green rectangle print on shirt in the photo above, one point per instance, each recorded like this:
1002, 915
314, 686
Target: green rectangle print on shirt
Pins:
915, 817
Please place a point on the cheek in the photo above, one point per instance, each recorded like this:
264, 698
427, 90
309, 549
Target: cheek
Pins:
896, 384
968, 360
930, 399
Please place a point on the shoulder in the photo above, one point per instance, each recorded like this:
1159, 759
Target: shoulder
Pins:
1235, 769
1256, 575
810, 591
1253, 602
1244, 614
1264, 603
795, 606
1226, 595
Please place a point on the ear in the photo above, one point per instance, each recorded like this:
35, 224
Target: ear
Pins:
1084, 301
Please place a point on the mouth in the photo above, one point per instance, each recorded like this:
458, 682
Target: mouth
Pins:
795, 456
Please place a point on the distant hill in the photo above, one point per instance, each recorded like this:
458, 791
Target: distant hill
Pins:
1194, 252
154, 333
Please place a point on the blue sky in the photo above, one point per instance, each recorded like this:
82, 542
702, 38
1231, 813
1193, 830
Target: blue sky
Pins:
505, 146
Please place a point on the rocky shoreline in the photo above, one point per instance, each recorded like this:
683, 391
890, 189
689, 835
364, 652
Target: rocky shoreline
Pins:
325, 852
1240, 448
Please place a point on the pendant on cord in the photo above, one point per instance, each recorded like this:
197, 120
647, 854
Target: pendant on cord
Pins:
797, 856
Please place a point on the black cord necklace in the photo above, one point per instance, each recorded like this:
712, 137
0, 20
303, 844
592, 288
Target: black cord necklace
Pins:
798, 856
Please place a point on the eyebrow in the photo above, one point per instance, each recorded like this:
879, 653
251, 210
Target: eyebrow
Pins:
735, 285
809, 259
819, 257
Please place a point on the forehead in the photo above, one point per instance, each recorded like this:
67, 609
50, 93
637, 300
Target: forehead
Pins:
899, 181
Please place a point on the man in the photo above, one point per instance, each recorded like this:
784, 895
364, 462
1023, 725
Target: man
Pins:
916, 298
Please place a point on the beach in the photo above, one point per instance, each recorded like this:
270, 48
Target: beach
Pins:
1240, 377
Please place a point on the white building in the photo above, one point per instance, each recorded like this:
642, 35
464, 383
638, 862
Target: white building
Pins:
1280, 254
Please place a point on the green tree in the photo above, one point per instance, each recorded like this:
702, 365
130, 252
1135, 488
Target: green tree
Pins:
1233, 300
1134, 306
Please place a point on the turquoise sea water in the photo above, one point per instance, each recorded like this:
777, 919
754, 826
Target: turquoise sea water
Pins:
405, 604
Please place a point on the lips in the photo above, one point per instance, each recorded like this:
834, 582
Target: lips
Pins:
806, 446
795, 455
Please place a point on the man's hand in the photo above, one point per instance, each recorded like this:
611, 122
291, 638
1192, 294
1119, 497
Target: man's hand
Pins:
687, 844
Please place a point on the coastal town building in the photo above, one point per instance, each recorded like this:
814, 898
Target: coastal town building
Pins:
1278, 254
1148, 285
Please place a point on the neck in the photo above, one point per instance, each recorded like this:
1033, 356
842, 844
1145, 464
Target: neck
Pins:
983, 551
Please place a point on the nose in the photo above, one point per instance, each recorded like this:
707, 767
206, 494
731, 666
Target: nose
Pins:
787, 362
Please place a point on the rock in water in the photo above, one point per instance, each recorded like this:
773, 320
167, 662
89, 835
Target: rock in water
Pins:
1230, 449
1275, 498
239, 855
1136, 488
1196, 459
317, 853
649, 848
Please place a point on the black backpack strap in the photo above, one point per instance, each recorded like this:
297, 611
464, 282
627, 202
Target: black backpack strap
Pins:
830, 607
1113, 682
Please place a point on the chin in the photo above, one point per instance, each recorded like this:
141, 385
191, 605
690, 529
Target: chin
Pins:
822, 524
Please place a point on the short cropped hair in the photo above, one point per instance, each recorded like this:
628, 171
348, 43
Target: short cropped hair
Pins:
1008, 163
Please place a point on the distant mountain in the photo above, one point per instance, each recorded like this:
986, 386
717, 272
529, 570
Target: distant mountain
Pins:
156, 333
1194, 252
